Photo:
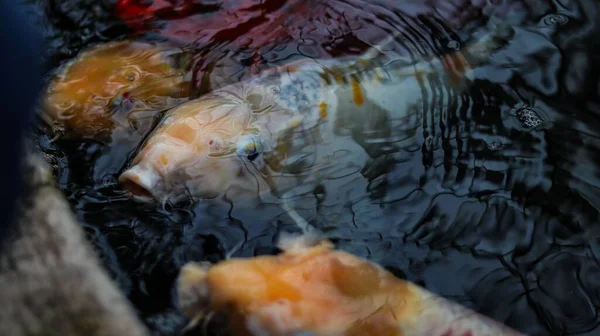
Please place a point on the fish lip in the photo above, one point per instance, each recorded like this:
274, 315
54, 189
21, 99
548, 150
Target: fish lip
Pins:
141, 183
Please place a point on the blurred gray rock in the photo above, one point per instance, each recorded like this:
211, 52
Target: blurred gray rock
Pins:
52, 282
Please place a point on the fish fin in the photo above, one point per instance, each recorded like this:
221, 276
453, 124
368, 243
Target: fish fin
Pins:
234, 250
300, 222
375, 50
495, 36
289, 242
192, 324
180, 59
204, 318
192, 289
310, 236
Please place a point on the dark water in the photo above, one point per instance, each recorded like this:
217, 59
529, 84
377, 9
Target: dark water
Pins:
495, 204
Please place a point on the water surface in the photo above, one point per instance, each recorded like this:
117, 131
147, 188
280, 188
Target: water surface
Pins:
489, 197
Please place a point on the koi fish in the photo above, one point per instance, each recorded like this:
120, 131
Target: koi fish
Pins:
112, 85
313, 289
230, 140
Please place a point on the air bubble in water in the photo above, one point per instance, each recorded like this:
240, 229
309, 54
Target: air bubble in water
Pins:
494, 146
454, 45
529, 118
429, 143
556, 20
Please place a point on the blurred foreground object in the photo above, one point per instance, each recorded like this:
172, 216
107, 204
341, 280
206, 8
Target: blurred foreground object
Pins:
21, 73
115, 85
312, 288
52, 282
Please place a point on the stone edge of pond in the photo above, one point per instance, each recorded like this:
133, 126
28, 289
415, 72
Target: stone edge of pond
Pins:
52, 282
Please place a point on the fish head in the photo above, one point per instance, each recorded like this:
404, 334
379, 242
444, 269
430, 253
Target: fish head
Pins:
111, 82
308, 288
207, 146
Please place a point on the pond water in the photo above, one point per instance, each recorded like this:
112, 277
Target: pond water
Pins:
490, 199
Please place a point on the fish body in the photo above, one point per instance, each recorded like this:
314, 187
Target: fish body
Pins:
237, 138
112, 84
315, 289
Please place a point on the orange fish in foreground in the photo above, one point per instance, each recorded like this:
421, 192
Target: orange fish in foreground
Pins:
113, 85
313, 289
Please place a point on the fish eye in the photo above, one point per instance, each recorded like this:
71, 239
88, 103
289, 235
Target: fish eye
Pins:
250, 147
253, 156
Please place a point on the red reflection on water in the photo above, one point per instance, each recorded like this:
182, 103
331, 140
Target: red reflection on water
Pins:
322, 28
262, 22
142, 14
256, 25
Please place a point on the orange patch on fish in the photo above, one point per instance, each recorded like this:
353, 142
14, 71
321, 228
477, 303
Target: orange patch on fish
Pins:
323, 110
357, 92
456, 66
181, 131
338, 76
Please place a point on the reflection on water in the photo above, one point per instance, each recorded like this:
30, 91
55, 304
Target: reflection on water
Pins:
488, 196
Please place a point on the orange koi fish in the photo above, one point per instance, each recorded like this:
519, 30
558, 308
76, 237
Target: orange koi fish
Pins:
112, 85
313, 289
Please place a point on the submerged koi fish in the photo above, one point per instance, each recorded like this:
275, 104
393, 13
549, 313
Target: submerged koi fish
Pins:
313, 289
114, 84
231, 139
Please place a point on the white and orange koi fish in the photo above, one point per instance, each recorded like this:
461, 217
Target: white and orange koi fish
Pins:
230, 140
313, 289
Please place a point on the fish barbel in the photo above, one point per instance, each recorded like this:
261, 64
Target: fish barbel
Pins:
229, 140
313, 289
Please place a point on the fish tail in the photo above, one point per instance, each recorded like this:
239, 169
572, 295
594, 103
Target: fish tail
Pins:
456, 63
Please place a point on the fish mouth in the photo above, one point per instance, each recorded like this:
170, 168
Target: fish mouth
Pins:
140, 183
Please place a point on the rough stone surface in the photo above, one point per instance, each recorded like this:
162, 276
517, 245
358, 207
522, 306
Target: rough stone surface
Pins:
52, 282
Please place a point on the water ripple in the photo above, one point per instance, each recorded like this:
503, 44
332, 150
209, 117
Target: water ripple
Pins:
488, 196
